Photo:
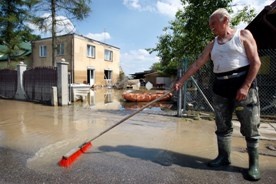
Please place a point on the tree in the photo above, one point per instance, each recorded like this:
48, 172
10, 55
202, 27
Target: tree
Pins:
188, 34
13, 25
70, 9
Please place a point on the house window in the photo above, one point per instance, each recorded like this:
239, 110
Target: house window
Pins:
91, 51
108, 55
42, 51
107, 74
108, 77
60, 49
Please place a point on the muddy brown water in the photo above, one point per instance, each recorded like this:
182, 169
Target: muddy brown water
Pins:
45, 133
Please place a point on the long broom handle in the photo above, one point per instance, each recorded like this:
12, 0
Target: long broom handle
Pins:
129, 116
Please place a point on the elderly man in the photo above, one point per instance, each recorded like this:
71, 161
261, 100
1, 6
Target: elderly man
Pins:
236, 64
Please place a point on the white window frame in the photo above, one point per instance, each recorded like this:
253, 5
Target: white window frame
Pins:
108, 55
42, 51
91, 51
60, 49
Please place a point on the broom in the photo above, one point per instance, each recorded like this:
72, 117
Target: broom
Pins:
74, 154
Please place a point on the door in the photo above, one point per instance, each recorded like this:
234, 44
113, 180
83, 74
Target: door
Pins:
90, 76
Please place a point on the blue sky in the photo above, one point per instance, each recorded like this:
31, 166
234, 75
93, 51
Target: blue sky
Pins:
134, 25
129, 26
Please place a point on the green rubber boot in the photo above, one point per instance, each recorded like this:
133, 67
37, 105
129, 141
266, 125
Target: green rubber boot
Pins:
224, 149
254, 170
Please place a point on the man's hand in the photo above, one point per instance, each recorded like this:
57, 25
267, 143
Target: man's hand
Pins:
242, 93
178, 85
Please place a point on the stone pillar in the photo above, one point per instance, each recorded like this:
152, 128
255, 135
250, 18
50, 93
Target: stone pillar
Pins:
62, 83
20, 92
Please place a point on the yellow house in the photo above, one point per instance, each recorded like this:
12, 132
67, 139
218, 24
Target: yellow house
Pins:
90, 61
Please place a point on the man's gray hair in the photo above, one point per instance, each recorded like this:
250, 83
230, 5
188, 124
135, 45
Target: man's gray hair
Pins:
222, 12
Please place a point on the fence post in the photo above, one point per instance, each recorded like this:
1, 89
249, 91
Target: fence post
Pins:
179, 95
184, 91
20, 92
62, 82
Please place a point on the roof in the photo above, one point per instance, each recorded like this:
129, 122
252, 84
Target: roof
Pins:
152, 73
25, 50
75, 34
263, 27
140, 75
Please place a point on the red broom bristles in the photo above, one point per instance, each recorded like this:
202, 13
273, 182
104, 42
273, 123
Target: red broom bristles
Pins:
73, 155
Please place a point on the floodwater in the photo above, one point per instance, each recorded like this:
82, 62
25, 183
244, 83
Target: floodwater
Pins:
45, 133
48, 132
108, 98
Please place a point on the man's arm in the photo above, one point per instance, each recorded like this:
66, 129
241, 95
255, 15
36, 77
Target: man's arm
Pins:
255, 63
203, 58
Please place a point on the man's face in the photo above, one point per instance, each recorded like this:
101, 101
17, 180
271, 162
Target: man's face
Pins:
215, 24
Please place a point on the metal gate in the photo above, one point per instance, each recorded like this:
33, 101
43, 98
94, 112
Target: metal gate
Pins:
8, 83
38, 83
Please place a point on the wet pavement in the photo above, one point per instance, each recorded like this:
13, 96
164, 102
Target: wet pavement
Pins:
148, 148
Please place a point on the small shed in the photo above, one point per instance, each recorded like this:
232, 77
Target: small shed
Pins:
158, 80
263, 28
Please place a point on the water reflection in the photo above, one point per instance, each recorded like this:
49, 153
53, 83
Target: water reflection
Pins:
111, 99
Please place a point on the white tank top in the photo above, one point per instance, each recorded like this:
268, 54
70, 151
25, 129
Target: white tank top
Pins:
230, 55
